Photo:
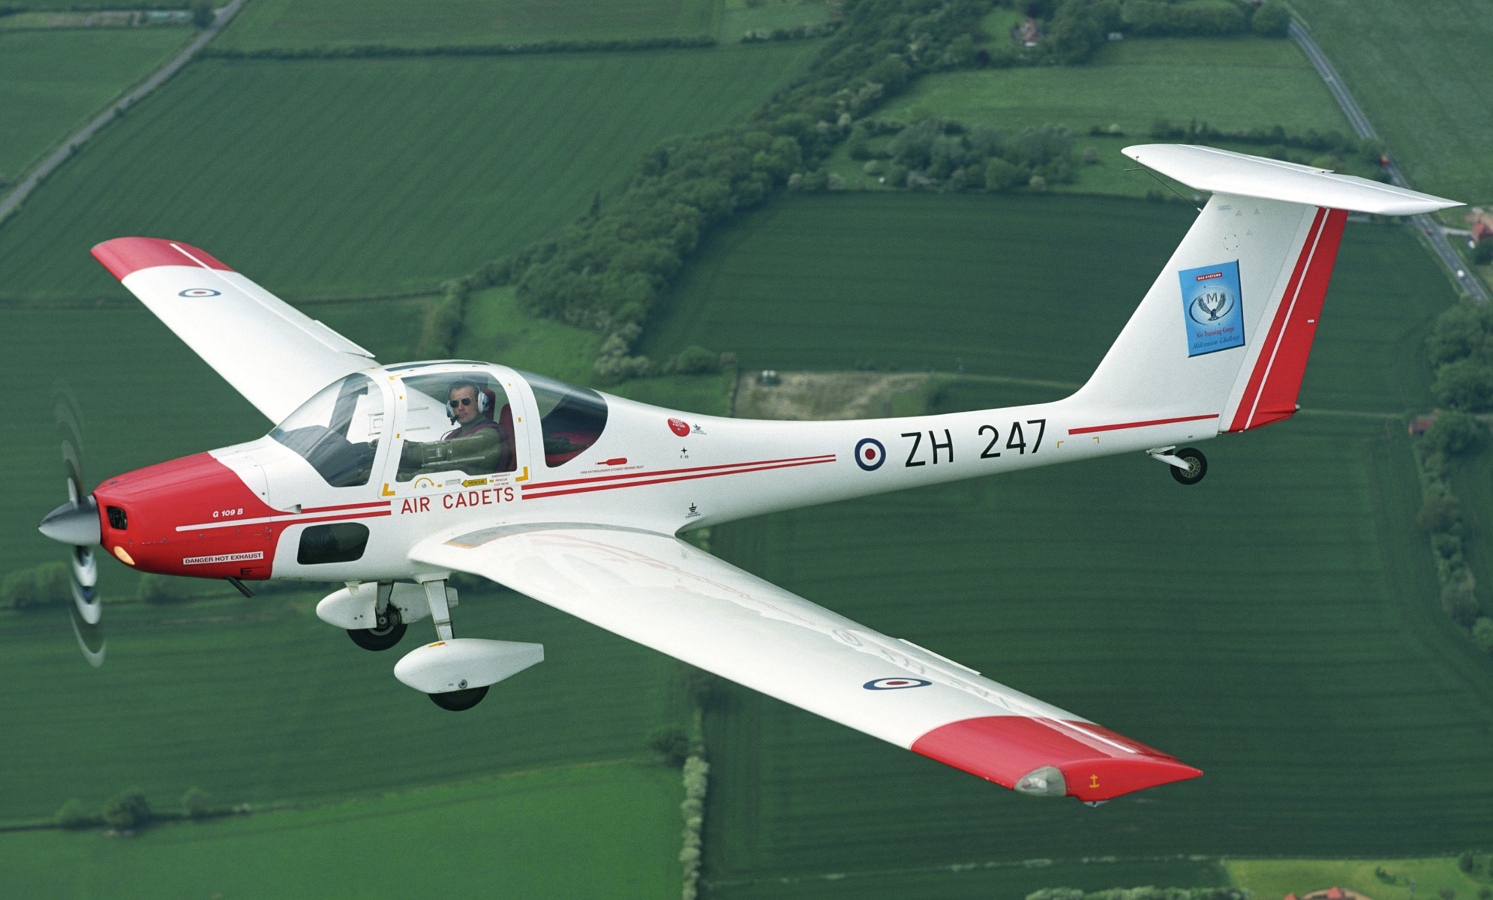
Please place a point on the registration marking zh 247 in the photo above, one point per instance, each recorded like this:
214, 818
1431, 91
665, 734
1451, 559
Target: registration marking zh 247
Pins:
943, 446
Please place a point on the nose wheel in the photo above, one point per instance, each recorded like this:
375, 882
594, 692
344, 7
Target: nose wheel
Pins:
386, 634
456, 701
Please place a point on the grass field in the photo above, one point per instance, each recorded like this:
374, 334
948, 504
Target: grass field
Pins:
1420, 72
423, 23
1230, 83
544, 834
259, 701
406, 172
1274, 878
53, 81
1277, 627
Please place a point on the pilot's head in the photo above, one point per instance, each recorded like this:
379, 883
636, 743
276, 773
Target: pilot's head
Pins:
464, 399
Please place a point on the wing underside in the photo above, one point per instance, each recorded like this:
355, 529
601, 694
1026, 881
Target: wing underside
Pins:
272, 353
663, 593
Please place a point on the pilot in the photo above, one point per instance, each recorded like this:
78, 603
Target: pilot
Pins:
476, 445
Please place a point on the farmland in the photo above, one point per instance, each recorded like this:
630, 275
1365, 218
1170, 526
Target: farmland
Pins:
423, 170
1419, 71
53, 81
549, 833
1301, 666
1231, 83
298, 24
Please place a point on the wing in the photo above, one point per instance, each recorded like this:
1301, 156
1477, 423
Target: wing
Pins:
663, 593
273, 354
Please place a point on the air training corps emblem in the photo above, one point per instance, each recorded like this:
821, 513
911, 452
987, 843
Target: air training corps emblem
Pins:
1212, 309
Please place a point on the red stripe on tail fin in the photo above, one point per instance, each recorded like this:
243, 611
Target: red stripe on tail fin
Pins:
1275, 381
125, 256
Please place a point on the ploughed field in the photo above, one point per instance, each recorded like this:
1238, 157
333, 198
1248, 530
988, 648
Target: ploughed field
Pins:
339, 178
1276, 625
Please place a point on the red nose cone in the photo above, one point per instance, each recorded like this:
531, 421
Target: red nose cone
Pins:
191, 516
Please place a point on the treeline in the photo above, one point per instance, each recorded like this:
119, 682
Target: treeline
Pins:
1074, 30
384, 51
131, 810
937, 153
607, 271
1143, 893
1461, 352
1275, 138
795, 33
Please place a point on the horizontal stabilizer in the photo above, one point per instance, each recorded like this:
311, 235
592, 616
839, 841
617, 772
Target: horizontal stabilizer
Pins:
1210, 169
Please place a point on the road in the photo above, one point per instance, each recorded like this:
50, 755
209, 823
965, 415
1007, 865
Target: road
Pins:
77, 138
1428, 226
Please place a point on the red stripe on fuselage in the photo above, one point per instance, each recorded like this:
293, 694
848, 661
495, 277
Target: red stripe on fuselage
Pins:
741, 468
1140, 424
1096, 763
126, 256
823, 457
1275, 383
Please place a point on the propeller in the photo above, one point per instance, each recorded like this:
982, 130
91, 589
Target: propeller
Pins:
76, 523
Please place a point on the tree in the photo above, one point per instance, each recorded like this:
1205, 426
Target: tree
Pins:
1464, 384
127, 810
670, 742
195, 803
1482, 254
1002, 175
76, 814
1441, 514
202, 14
1271, 19
697, 361
1455, 433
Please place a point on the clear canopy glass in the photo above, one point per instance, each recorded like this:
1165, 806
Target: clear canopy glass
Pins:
337, 430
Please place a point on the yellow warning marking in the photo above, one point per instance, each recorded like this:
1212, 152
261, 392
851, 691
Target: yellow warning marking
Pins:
1093, 781
1096, 438
1059, 444
123, 556
473, 482
525, 476
428, 482
386, 492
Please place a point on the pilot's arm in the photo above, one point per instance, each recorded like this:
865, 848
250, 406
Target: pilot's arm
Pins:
475, 452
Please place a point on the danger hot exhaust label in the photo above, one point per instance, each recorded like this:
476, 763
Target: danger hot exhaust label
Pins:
222, 558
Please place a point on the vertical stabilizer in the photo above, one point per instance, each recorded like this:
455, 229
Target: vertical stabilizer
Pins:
1225, 331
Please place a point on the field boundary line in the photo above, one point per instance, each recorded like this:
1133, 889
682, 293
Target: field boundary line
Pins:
956, 868
30, 183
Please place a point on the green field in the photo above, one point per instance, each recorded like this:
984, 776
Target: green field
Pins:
52, 82
431, 23
542, 834
1420, 72
1272, 878
420, 169
1276, 627
1230, 83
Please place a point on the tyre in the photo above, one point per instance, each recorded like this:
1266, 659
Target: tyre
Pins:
1197, 466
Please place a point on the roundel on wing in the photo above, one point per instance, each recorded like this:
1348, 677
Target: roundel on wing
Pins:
895, 684
679, 427
198, 292
869, 454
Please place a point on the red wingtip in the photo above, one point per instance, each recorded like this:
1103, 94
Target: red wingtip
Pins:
125, 256
1097, 764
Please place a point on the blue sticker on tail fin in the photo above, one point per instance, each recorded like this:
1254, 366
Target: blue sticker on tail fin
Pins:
1212, 309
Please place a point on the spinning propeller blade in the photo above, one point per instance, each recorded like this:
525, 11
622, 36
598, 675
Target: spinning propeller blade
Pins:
76, 523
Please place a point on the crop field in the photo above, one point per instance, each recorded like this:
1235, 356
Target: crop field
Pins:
549, 833
406, 172
296, 24
1230, 83
1389, 879
1420, 72
1276, 627
54, 81
259, 701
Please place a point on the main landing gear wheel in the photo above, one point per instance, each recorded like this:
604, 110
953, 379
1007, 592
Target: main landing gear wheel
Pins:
1197, 466
456, 701
388, 632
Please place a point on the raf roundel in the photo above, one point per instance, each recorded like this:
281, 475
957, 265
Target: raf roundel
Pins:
679, 427
198, 292
895, 684
869, 454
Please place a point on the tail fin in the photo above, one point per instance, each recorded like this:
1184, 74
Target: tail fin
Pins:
1226, 329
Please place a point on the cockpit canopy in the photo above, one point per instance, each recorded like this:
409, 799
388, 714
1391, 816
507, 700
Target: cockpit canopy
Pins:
452, 419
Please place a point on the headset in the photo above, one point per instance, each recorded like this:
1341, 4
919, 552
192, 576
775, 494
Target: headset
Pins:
486, 397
